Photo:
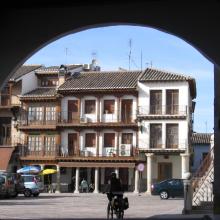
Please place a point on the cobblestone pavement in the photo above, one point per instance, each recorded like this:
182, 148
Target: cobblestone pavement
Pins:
79, 206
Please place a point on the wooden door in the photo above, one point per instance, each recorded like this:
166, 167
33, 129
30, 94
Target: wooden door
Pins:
73, 111
164, 171
72, 144
126, 110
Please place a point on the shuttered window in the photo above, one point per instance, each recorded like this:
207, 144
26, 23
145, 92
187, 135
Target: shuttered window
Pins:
109, 140
90, 140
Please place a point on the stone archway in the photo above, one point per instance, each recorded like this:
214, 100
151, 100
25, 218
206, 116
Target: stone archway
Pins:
26, 29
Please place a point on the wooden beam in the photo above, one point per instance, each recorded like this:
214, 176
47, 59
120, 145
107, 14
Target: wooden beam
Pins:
95, 164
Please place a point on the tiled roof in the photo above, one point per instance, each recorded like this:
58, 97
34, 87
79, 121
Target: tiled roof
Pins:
24, 70
55, 69
40, 92
161, 75
201, 138
102, 81
5, 156
155, 75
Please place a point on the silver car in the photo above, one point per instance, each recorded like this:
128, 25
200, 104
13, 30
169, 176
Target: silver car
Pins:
33, 185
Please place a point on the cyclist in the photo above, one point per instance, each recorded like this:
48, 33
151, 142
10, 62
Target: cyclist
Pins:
115, 196
114, 187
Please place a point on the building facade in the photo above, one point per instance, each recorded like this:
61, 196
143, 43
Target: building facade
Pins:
87, 124
201, 146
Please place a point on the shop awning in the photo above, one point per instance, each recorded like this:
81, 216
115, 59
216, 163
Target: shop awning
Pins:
95, 164
5, 156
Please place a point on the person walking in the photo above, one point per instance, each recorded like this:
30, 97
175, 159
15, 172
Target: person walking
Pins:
84, 185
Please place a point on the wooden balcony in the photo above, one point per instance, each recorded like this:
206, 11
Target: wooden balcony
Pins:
64, 119
162, 112
5, 101
57, 154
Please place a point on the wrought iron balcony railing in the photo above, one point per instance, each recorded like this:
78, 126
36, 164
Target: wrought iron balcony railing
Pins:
177, 110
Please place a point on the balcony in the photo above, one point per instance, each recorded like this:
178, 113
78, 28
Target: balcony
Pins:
162, 111
62, 153
68, 119
5, 100
166, 148
40, 154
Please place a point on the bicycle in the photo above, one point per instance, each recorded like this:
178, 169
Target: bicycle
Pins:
115, 206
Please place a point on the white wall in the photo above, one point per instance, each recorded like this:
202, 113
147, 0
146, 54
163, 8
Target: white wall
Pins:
93, 117
144, 92
29, 82
92, 150
176, 166
144, 136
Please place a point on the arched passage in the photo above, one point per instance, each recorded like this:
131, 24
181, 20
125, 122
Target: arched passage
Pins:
27, 29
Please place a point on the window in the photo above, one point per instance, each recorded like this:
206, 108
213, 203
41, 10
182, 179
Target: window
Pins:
90, 140
172, 135
127, 138
50, 113
109, 106
89, 106
109, 140
35, 143
35, 114
172, 101
50, 143
155, 102
156, 136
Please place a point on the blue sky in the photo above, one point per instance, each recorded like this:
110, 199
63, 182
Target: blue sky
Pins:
110, 46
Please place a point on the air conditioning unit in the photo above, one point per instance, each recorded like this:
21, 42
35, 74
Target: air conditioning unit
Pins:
84, 120
125, 150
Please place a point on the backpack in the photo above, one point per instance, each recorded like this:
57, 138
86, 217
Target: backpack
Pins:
125, 203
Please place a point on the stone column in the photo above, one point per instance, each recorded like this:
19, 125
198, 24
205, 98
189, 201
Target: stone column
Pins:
77, 181
216, 184
96, 190
136, 181
185, 164
58, 179
149, 171
42, 168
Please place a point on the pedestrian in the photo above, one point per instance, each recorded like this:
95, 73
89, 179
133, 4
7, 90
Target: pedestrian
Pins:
84, 185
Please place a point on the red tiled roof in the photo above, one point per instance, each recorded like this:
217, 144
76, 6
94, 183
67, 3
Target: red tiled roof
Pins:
102, 80
201, 138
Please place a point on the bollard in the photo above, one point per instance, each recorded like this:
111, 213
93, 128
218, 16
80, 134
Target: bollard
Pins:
187, 196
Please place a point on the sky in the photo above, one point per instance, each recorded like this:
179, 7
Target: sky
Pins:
147, 47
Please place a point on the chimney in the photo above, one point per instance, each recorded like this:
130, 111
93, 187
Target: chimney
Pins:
62, 74
94, 66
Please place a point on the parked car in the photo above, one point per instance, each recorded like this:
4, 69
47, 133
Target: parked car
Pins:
168, 188
7, 185
33, 185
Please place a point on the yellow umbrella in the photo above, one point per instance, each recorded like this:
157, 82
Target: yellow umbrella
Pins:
48, 171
